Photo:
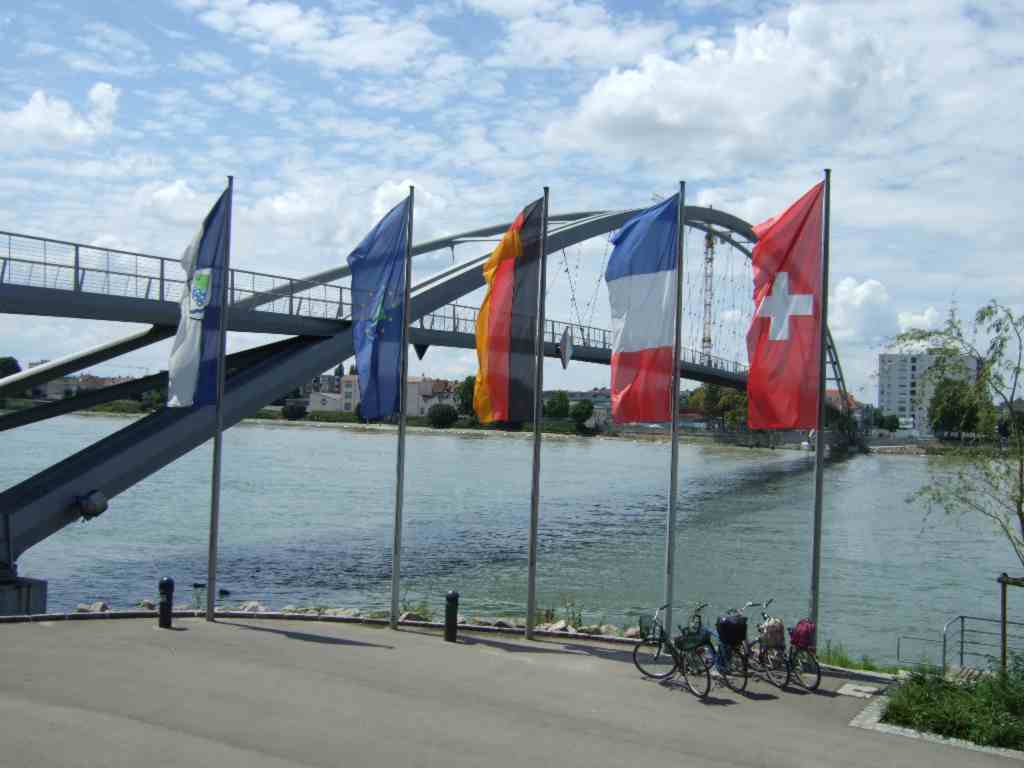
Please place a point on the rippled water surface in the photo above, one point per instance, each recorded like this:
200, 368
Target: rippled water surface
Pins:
306, 519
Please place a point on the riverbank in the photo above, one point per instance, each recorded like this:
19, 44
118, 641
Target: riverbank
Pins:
654, 436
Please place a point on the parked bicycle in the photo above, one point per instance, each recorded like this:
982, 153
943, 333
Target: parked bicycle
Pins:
802, 658
767, 654
656, 656
728, 654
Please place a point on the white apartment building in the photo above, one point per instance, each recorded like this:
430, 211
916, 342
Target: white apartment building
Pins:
340, 394
904, 389
336, 394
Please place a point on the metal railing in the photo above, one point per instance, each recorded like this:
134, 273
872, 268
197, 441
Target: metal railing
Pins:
976, 642
46, 263
58, 264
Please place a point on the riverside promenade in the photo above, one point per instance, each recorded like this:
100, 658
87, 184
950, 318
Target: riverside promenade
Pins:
265, 692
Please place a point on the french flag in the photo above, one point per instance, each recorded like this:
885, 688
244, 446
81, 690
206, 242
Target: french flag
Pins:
641, 279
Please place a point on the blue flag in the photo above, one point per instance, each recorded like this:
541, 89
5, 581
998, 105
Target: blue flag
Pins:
192, 370
378, 296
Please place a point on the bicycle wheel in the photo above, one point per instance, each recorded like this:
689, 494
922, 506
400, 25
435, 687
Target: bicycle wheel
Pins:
654, 659
732, 667
775, 665
696, 673
803, 666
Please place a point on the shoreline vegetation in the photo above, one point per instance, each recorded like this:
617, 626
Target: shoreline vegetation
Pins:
551, 427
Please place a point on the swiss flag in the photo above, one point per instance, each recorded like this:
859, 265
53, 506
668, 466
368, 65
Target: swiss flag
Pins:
784, 340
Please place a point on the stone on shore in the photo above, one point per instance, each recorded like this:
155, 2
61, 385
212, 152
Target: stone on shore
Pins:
632, 632
146, 605
349, 613
412, 616
252, 606
98, 607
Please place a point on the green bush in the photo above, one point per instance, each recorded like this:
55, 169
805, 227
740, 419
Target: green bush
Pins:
267, 413
118, 406
332, 418
442, 416
581, 411
294, 411
989, 711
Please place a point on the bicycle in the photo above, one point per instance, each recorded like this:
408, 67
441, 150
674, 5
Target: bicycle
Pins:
767, 654
728, 656
802, 659
656, 656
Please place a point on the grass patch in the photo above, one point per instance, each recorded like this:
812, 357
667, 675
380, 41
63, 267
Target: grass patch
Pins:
837, 656
118, 406
989, 711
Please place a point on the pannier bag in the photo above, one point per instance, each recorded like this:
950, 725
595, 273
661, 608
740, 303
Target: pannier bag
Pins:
732, 628
693, 638
802, 635
772, 634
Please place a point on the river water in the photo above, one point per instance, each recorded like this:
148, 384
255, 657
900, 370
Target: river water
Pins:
306, 520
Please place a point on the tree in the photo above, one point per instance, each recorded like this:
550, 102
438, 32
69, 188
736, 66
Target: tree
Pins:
294, 411
581, 411
986, 476
442, 415
890, 423
733, 406
464, 396
8, 367
557, 406
953, 407
695, 402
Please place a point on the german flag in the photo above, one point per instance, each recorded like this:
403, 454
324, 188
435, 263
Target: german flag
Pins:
506, 324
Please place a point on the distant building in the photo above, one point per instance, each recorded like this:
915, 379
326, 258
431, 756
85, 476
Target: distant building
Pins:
340, 394
424, 392
905, 390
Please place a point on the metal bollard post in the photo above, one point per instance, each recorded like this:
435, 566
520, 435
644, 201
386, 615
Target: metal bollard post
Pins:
166, 602
451, 616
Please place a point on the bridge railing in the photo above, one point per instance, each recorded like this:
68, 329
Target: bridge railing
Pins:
47, 263
62, 265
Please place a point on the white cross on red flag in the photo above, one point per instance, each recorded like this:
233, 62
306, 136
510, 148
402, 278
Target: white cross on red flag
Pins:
784, 340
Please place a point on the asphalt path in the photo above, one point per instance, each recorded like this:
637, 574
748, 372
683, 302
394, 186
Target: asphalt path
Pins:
259, 692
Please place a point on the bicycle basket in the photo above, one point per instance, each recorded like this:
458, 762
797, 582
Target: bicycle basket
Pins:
692, 638
772, 634
646, 626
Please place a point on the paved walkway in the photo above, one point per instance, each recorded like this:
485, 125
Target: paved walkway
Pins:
257, 692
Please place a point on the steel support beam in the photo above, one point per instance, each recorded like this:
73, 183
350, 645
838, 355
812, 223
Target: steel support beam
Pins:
96, 397
40, 374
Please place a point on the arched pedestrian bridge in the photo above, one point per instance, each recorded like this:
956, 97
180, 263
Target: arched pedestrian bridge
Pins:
53, 278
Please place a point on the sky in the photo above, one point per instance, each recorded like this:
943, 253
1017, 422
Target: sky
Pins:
119, 121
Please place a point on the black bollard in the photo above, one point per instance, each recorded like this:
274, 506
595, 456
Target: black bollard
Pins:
451, 616
166, 602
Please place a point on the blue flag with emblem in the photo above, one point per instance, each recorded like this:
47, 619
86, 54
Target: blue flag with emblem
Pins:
378, 295
192, 370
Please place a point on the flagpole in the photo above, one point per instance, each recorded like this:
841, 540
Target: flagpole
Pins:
538, 397
819, 445
211, 567
396, 543
673, 483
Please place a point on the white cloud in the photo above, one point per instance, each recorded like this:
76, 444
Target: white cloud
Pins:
768, 94
205, 63
35, 48
584, 34
382, 41
110, 50
46, 121
175, 202
929, 319
252, 93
